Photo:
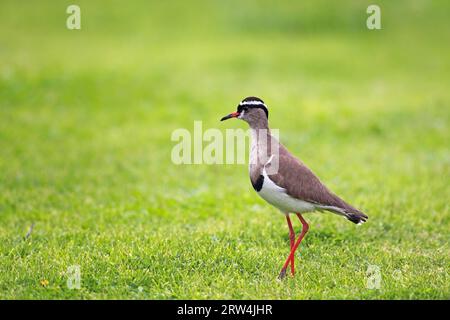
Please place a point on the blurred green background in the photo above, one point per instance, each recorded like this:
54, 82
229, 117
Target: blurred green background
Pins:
86, 118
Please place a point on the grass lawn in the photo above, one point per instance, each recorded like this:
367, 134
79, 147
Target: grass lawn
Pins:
86, 119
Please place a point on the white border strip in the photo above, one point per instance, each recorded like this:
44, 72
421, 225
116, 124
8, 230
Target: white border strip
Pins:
252, 103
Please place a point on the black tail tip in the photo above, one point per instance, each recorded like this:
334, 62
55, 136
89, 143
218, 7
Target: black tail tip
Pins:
357, 218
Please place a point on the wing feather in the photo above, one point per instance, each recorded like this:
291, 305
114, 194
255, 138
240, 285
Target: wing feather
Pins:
301, 183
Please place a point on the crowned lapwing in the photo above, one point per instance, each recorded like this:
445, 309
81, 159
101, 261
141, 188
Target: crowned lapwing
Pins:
283, 180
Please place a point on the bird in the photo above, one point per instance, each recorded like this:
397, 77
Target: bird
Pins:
283, 180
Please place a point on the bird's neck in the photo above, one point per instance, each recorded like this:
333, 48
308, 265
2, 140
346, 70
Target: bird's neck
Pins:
261, 140
260, 125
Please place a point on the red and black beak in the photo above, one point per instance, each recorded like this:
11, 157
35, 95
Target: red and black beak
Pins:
231, 115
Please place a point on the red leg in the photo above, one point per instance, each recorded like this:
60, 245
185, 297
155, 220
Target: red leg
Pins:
292, 240
305, 229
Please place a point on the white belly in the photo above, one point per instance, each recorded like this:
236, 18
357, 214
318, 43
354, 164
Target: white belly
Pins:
274, 194
278, 197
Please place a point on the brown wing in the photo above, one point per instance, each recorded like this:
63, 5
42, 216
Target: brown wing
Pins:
301, 183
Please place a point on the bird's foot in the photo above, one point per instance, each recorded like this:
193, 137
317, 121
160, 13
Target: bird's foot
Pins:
282, 274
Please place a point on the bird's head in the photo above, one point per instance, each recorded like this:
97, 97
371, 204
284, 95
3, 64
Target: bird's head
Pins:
252, 110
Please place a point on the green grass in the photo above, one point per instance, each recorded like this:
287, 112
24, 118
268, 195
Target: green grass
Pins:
85, 124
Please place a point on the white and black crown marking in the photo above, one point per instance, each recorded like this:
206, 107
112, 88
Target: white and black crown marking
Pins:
253, 102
